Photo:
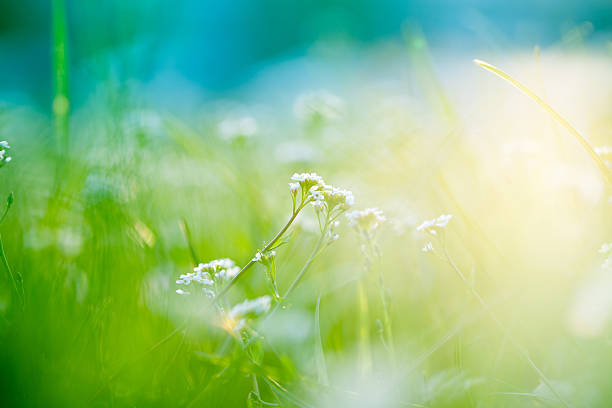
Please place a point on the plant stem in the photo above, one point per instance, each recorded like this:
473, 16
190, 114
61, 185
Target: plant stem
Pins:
266, 248
386, 317
382, 291
10, 272
522, 351
311, 258
61, 104
297, 279
365, 353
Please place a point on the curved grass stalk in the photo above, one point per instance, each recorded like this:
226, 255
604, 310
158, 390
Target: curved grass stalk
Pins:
386, 332
585, 144
274, 240
15, 277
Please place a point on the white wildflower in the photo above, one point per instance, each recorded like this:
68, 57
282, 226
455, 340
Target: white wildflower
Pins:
4, 157
338, 197
367, 220
211, 275
182, 292
250, 308
433, 226
428, 247
603, 150
307, 180
264, 257
605, 248
294, 187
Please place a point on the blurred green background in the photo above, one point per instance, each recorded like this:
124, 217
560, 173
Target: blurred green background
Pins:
115, 115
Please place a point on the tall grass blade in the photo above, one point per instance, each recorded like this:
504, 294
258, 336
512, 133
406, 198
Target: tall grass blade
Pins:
585, 144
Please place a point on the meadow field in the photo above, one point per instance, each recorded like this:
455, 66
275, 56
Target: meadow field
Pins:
390, 225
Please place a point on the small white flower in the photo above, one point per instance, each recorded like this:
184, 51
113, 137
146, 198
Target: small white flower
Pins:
603, 150
307, 180
432, 226
264, 257
605, 248
4, 157
210, 275
338, 197
294, 187
182, 292
251, 308
428, 247
367, 220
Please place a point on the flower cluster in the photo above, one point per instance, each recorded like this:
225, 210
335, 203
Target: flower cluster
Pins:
434, 226
305, 181
251, 308
4, 157
212, 276
330, 197
238, 129
322, 196
317, 107
605, 248
236, 318
366, 221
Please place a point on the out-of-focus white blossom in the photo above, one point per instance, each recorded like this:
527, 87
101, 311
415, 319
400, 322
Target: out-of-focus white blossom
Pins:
211, 275
318, 106
367, 220
433, 226
428, 247
251, 308
603, 150
234, 129
605, 248
4, 157
182, 292
330, 198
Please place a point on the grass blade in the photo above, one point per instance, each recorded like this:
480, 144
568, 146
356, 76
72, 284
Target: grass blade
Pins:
585, 144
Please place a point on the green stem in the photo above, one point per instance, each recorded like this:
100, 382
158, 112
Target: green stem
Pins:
382, 291
266, 248
10, 272
300, 275
311, 258
61, 104
386, 317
